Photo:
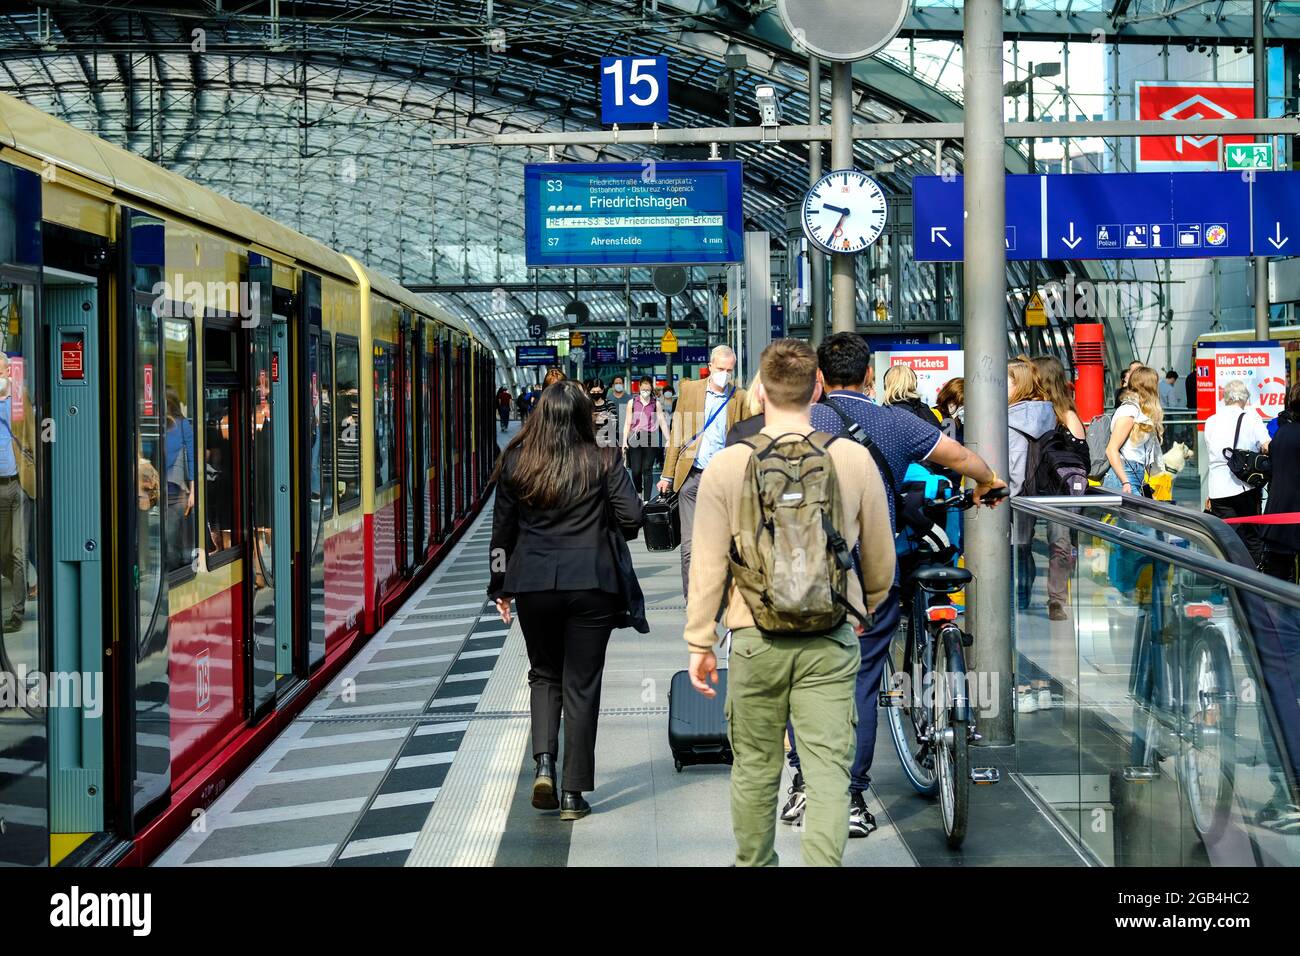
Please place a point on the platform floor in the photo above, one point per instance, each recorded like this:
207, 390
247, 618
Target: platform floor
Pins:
366, 777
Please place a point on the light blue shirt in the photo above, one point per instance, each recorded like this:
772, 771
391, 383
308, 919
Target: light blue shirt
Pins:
8, 463
714, 438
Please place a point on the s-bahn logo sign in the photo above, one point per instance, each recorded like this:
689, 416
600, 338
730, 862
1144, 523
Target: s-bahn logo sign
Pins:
1162, 101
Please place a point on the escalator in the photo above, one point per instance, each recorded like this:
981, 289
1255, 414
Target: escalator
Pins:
1157, 676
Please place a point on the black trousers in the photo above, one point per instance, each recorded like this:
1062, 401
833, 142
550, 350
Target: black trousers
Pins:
567, 633
1246, 504
641, 462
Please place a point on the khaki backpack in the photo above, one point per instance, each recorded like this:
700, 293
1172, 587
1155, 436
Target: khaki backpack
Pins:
788, 558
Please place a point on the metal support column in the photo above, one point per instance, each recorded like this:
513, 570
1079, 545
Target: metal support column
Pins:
843, 287
1261, 112
816, 259
984, 315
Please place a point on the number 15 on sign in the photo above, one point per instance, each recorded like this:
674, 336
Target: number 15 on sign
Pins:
633, 89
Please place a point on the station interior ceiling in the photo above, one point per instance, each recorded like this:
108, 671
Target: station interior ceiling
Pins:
321, 115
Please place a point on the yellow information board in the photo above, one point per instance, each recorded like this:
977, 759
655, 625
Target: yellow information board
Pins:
1035, 313
669, 341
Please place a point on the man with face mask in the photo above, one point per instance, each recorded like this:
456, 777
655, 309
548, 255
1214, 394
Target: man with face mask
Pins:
704, 413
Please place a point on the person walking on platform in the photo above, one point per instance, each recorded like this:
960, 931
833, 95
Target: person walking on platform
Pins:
902, 439
776, 676
558, 493
644, 431
1227, 496
705, 412
503, 407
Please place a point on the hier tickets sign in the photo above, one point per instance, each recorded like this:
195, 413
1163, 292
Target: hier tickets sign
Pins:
1189, 101
1261, 365
934, 365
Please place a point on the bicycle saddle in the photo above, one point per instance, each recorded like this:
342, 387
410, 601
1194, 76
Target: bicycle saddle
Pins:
941, 577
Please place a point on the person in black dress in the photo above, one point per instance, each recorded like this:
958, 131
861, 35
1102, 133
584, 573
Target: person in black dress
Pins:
558, 491
1282, 541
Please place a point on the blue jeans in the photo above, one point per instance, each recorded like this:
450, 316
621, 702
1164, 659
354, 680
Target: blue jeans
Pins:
875, 647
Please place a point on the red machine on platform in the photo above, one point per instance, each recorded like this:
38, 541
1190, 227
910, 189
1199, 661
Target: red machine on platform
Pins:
1090, 369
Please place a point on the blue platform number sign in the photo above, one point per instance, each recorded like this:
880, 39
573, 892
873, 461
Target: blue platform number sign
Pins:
633, 89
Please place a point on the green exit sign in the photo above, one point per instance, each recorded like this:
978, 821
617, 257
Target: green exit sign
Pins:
1249, 156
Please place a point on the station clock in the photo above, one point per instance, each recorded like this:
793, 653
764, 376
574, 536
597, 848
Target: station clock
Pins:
844, 212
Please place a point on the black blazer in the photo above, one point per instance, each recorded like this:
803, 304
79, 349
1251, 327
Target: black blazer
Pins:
564, 549
1284, 494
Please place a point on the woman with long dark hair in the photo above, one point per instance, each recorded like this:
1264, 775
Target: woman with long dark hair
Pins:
558, 492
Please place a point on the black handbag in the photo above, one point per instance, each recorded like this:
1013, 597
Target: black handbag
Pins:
1251, 468
663, 523
632, 613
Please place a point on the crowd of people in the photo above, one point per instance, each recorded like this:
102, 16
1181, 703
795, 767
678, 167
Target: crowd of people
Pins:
576, 476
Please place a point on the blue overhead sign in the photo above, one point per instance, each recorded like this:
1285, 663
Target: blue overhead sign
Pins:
1193, 215
536, 355
633, 89
633, 214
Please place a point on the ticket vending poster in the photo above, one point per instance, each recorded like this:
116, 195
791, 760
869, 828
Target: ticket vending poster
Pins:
934, 365
1261, 365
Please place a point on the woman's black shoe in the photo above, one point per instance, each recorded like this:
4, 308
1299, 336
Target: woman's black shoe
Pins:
572, 806
544, 783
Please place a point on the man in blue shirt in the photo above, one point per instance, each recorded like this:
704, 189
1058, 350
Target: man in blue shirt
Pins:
844, 363
705, 412
13, 561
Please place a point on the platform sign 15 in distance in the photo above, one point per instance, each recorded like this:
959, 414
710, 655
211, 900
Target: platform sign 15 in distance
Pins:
633, 89
633, 214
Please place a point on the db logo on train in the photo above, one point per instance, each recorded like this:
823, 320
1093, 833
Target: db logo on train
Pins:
1272, 396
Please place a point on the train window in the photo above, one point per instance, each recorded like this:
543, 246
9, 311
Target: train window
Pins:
385, 357
180, 451
223, 424
327, 424
347, 428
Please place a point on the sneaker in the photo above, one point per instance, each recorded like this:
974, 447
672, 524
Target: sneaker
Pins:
1056, 611
861, 822
1026, 701
1280, 817
1044, 698
792, 812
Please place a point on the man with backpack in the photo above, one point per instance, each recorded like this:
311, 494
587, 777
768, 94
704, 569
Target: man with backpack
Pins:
895, 439
777, 517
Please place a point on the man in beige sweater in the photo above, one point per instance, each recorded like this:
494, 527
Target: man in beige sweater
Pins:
809, 678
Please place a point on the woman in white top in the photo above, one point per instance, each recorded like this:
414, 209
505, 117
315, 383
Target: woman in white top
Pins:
1227, 496
1136, 431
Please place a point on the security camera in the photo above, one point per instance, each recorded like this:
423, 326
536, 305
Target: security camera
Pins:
768, 110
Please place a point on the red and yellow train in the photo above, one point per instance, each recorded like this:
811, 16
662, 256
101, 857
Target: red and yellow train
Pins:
227, 453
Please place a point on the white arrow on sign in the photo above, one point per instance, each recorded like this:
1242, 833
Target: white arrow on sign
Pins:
937, 235
1073, 240
1281, 240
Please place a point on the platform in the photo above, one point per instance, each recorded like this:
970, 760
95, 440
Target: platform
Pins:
373, 776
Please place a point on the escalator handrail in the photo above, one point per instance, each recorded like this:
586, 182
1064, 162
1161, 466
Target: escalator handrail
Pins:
1228, 572
1224, 537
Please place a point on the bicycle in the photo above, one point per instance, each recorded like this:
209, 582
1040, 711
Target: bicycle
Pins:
932, 727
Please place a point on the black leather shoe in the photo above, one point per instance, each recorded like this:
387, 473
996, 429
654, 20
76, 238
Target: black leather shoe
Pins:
572, 806
544, 783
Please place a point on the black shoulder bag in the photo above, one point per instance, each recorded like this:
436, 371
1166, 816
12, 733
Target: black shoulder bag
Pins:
1251, 468
632, 614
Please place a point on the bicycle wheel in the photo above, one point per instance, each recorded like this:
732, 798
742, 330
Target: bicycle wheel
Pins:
952, 756
906, 718
1208, 753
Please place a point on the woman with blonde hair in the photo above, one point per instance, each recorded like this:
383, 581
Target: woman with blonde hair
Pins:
1056, 388
902, 390
751, 426
1136, 432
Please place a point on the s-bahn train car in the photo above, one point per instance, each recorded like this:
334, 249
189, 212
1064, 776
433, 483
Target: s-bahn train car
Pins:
226, 454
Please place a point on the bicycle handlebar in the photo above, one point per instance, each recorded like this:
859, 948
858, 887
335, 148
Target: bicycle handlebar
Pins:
966, 500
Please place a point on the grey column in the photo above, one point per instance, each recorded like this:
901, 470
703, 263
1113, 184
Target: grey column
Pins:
984, 315
844, 295
816, 260
1261, 112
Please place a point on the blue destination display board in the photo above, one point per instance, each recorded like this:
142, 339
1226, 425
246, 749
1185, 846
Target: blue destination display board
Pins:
603, 355
1194, 215
629, 214
536, 355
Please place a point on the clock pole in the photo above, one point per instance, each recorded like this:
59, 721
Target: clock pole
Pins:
843, 287
816, 261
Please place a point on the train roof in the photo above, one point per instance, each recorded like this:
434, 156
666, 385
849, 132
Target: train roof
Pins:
35, 133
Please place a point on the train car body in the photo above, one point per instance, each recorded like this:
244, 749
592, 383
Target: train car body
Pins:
227, 452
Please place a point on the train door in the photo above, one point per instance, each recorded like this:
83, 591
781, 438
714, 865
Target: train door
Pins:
412, 456
260, 576
316, 464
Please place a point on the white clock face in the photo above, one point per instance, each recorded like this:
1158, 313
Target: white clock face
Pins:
844, 211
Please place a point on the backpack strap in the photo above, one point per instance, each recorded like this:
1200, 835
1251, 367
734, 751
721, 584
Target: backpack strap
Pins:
859, 435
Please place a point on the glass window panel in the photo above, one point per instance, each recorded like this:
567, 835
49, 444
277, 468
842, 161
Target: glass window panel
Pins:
348, 429
180, 459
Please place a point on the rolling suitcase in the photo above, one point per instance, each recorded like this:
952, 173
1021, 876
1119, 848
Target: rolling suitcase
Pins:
663, 523
697, 725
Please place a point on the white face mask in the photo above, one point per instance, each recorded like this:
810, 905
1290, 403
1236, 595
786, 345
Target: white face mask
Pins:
618, 387
719, 379
4, 383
